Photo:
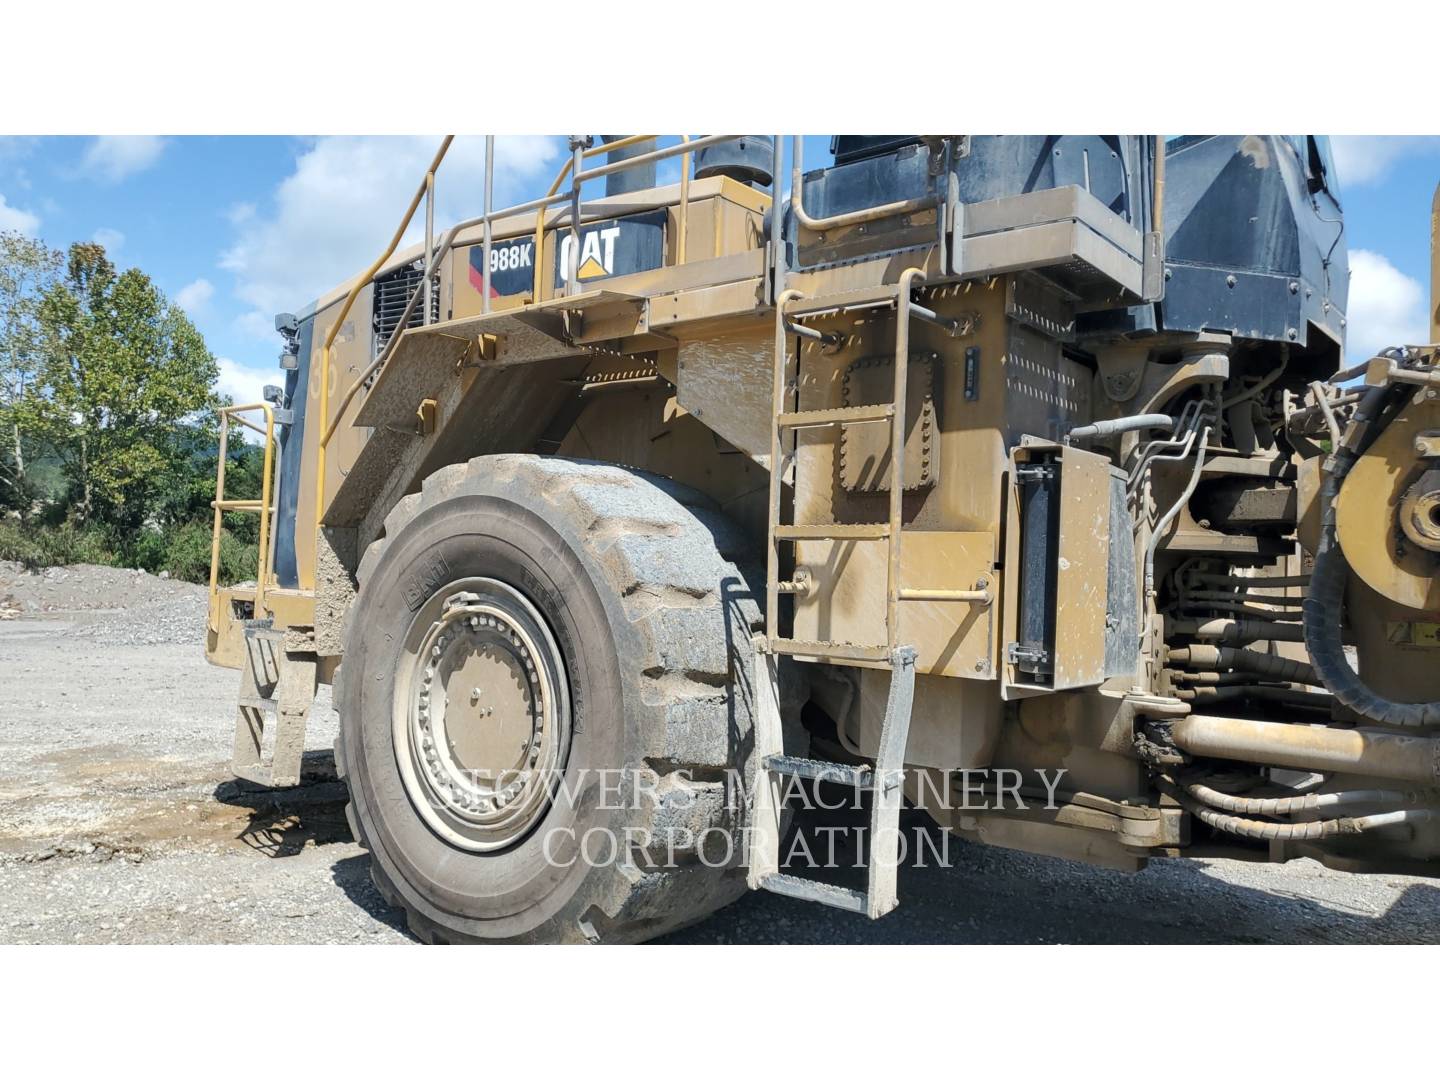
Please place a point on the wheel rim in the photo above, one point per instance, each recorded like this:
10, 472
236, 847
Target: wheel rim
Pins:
481, 714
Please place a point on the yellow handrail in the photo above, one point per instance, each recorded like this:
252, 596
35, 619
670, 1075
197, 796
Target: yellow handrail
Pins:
360, 283
684, 148
602, 148
261, 506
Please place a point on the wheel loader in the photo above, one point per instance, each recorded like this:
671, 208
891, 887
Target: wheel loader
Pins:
1020, 480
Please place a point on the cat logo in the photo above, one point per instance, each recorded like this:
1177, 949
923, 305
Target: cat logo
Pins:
597, 254
613, 248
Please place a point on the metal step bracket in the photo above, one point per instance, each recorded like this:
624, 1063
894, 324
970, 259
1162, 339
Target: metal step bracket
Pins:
276, 688
885, 781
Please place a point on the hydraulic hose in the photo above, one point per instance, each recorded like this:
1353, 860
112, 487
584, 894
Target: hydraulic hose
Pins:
1325, 600
1299, 830
1238, 631
1239, 804
1212, 657
1300, 699
1102, 429
1160, 526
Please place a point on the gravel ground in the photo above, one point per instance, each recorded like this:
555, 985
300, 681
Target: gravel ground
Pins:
119, 822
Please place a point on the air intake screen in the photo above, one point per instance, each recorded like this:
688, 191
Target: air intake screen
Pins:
392, 293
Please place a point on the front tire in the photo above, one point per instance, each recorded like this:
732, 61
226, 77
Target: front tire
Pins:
601, 609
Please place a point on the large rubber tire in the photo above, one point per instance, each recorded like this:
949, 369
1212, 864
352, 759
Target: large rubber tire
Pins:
636, 579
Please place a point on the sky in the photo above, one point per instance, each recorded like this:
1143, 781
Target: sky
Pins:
238, 228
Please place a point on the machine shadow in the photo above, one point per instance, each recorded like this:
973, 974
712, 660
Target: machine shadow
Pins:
352, 875
284, 820
961, 892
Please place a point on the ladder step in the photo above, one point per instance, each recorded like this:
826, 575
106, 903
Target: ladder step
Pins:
832, 532
961, 596
829, 772
829, 650
840, 303
817, 891
855, 414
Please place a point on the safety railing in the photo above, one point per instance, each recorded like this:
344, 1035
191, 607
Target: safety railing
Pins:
259, 506
581, 148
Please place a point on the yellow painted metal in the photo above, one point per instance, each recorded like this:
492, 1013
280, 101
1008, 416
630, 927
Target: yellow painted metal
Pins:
948, 588
684, 205
259, 506
540, 224
1082, 559
1435, 266
962, 596
1366, 510
778, 461
910, 277
327, 430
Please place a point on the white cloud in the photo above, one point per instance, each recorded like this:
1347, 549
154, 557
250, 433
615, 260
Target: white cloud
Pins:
334, 213
1385, 308
15, 147
195, 296
112, 240
256, 324
13, 219
112, 158
1368, 159
240, 213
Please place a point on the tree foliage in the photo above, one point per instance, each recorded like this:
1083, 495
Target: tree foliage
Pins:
103, 378
28, 271
125, 389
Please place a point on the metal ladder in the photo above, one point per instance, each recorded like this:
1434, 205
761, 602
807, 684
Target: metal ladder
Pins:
275, 688
885, 780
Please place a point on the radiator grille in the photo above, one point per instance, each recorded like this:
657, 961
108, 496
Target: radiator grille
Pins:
392, 293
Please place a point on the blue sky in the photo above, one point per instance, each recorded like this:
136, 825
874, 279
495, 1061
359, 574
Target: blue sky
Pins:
236, 228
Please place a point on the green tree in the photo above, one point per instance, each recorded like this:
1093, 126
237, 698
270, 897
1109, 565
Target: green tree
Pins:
28, 271
125, 387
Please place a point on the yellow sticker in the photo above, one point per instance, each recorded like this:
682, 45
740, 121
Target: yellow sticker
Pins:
592, 268
1421, 635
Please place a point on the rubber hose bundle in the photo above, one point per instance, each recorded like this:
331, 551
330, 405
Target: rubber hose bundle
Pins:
1251, 829
1325, 599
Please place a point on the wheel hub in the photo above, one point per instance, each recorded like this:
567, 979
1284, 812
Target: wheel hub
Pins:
482, 714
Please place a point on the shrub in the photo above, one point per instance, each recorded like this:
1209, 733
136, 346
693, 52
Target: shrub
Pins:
39, 546
187, 555
182, 550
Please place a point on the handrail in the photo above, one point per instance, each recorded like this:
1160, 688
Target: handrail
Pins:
261, 506
331, 424
435, 254
591, 151
444, 249
654, 155
854, 217
682, 224
427, 184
